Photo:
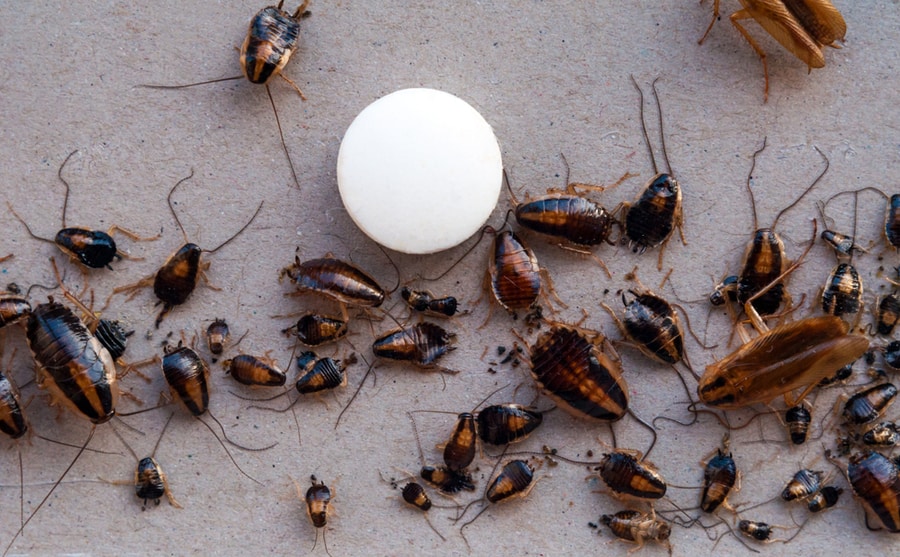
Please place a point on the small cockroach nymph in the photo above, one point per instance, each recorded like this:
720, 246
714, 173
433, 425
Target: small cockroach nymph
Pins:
638, 527
825, 498
802, 486
423, 301
313, 329
93, 249
798, 419
719, 477
259, 371
803, 27
650, 221
515, 480
217, 336
150, 482
178, 277
318, 505
628, 476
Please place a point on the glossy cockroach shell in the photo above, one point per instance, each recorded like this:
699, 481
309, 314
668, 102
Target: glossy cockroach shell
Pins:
337, 280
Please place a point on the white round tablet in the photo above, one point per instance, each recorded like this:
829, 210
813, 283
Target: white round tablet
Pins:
419, 171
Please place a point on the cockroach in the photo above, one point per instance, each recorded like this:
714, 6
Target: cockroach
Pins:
627, 475
318, 505
759, 531
94, 249
874, 479
335, 279
803, 27
638, 527
272, 37
113, 336
515, 480
12, 419
421, 344
514, 273
843, 291
174, 282
887, 315
802, 486
841, 243
798, 419
150, 482
652, 325
319, 374
581, 373
217, 335
415, 495
885, 434
780, 360
13, 308
764, 258
459, 452
425, 302
313, 329
719, 478
892, 222
891, 354
447, 480
825, 498
501, 424
258, 371
867, 405
650, 221
724, 291
840, 375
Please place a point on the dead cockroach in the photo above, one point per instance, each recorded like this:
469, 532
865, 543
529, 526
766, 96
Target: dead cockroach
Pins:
447, 480
335, 279
802, 486
92, 248
867, 405
627, 475
843, 291
825, 498
719, 478
174, 282
638, 527
650, 221
259, 371
887, 315
885, 434
874, 479
801, 26
217, 335
313, 329
425, 302
318, 505
798, 419
501, 424
651, 323
13, 308
421, 344
573, 368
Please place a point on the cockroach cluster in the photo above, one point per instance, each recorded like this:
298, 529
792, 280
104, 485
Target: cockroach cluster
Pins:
786, 354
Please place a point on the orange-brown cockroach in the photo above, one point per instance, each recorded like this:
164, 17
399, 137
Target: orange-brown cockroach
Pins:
875, 481
515, 480
825, 498
217, 336
94, 249
313, 329
174, 282
650, 221
502, 424
258, 371
638, 527
13, 308
335, 279
719, 477
318, 505
843, 291
319, 374
573, 368
887, 315
447, 480
415, 495
150, 482
627, 475
513, 273
421, 344
801, 26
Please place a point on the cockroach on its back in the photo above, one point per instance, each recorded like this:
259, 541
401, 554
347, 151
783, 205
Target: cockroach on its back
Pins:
885, 434
13, 308
174, 282
803, 27
843, 291
255, 371
578, 374
650, 221
94, 249
638, 527
719, 478
335, 279
313, 329
447, 480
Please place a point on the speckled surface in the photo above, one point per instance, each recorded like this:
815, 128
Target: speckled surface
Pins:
552, 78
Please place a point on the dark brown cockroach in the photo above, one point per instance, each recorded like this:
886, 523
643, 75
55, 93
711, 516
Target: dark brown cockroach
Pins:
94, 249
843, 291
764, 258
174, 282
13, 308
892, 222
891, 354
425, 302
421, 344
318, 505
650, 221
724, 291
626, 475
759, 531
447, 480
825, 498
459, 452
319, 374
150, 482
792, 356
313, 329
867, 405
874, 479
638, 527
414, 494
887, 314
652, 325
885, 434
719, 478
258, 371
513, 273
217, 336
113, 336
573, 368
335, 279
515, 480
798, 419
501, 424
803, 27
839, 376
802, 486
12, 419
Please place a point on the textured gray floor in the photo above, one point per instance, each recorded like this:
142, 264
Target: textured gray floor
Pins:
551, 77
